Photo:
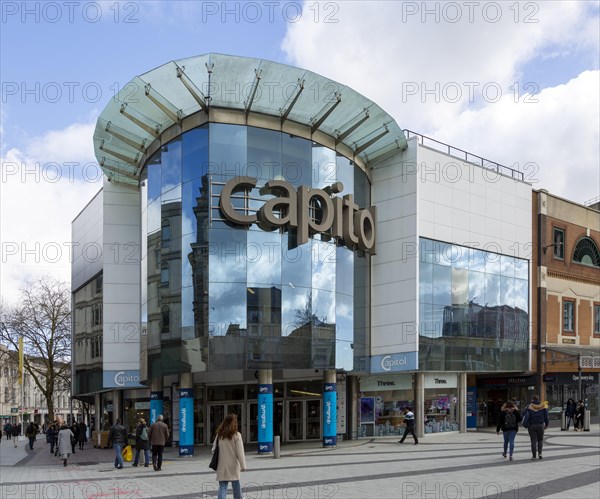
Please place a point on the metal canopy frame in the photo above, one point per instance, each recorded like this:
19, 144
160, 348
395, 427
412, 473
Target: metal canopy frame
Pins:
152, 109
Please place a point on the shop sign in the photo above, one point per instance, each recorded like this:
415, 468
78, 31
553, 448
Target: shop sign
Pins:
120, 379
290, 208
140, 406
386, 382
570, 341
568, 378
186, 422
440, 380
265, 418
513, 380
394, 362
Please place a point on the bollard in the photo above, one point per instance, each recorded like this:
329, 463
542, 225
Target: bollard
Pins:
563, 421
276, 447
586, 420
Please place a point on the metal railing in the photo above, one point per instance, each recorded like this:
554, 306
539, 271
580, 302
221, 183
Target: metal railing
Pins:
455, 152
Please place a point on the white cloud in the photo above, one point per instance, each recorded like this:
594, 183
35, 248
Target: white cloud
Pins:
43, 187
456, 81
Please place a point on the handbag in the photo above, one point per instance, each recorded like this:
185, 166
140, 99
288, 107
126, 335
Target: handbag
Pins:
214, 462
127, 453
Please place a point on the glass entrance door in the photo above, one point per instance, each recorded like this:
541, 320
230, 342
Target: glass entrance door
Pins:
217, 412
304, 420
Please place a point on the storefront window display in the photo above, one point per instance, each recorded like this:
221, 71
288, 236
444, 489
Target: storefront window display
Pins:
441, 403
382, 401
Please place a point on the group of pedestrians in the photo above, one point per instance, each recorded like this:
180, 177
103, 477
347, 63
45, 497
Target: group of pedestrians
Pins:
154, 436
535, 420
574, 413
12, 431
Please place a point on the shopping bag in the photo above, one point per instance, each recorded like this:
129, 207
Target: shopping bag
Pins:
214, 462
127, 453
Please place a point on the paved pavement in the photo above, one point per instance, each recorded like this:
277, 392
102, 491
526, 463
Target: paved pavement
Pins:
443, 466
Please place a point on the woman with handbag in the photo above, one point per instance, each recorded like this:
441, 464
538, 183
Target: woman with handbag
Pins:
231, 457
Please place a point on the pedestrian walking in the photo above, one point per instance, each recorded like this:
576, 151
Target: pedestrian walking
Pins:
142, 443
31, 432
232, 459
15, 432
158, 435
8, 431
51, 436
535, 420
75, 431
81, 434
409, 421
570, 413
117, 436
508, 422
579, 415
64, 443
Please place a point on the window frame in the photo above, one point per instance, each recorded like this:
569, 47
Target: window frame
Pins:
573, 330
558, 250
596, 319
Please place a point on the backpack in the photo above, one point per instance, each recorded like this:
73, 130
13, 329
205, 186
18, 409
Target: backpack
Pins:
510, 421
144, 435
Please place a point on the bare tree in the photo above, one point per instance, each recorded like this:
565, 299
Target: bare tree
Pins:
43, 318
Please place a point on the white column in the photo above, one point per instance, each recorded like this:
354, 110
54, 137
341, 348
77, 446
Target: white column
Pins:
420, 404
462, 401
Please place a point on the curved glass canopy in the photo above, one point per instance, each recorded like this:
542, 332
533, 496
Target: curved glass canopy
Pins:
153, 102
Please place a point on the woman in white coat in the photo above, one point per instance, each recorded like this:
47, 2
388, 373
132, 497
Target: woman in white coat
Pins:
232, 459
64, 443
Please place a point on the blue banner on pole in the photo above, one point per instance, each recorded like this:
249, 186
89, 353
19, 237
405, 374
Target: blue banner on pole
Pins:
265, 418
186, 422
156, 405
329, 415
472, 407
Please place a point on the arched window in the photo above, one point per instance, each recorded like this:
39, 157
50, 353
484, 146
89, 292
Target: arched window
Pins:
165, 233
586, 252
165, 319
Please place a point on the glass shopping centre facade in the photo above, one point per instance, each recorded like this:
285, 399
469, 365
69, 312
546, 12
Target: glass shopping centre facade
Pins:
272, 278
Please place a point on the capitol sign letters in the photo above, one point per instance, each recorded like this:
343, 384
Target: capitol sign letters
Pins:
340, 217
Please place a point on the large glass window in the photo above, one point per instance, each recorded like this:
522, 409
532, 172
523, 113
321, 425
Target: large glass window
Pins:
473, 309
597, 319
244, 297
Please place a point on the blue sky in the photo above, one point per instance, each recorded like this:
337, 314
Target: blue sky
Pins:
532, 68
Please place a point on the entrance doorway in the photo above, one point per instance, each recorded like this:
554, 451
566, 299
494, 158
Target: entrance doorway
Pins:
304, 420
216, 414
253, 420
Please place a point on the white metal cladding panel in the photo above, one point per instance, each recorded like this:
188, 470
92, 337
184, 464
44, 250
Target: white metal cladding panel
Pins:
121, 283
86, 238
486, 209
394, 267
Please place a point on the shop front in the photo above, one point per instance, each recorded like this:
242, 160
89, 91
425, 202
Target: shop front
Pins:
562, 386
441, 407
382, 400
493, 392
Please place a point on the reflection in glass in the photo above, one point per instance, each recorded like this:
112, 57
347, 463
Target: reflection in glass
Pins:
476, 316
244, 298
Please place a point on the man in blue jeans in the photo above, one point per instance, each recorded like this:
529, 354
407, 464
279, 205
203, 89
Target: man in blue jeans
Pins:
118, 438
535, 420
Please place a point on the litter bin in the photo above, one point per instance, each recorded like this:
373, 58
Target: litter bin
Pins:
586, 420
563, 421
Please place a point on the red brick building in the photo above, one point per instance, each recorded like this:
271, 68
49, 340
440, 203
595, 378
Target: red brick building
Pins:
566, 299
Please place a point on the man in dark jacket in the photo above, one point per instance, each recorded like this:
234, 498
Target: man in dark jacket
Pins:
158, 435
117, 436
535, 420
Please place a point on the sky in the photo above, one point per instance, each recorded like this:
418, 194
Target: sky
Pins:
514, 82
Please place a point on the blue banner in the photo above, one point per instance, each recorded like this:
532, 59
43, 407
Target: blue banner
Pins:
156, 405
472, 407
265, 418
329, 415
186, 422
